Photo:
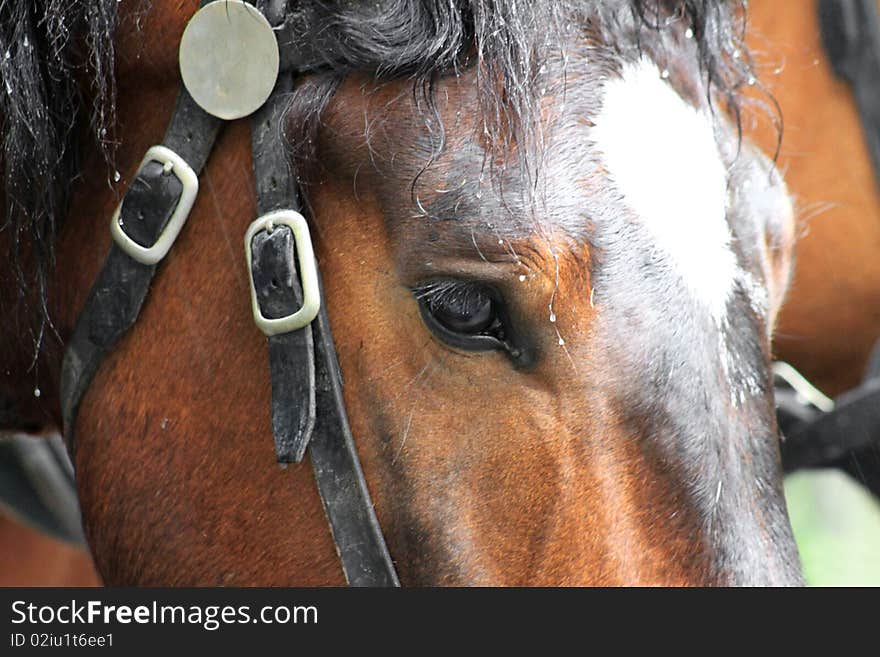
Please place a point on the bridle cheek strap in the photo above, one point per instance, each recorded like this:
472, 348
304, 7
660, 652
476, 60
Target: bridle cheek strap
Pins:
276, 288
308, 410
116, 297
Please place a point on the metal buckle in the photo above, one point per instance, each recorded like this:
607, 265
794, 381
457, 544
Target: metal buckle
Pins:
190, 181
308, 272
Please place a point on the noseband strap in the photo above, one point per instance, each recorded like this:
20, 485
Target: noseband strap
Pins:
308, 410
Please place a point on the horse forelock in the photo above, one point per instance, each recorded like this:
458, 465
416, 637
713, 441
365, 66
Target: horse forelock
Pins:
507, 43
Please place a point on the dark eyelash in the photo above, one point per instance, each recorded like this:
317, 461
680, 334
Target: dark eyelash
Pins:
432, 295
447, 291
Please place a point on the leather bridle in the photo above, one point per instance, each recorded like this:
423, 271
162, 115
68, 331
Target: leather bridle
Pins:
308, 410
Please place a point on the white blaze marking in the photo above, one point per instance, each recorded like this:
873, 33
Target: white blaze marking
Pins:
662, 156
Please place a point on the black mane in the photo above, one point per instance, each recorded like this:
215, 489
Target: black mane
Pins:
56, 64
57, 72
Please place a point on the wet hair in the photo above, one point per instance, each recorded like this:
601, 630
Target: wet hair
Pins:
56, 64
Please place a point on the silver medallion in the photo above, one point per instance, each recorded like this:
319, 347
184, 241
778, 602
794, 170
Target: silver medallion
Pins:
229, 58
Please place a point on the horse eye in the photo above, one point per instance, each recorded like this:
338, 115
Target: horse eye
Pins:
464, 315
468, 313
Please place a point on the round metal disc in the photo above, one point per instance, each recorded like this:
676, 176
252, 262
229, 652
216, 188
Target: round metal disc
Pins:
229, 58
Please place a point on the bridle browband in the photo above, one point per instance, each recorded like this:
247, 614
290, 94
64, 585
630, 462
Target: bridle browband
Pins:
308, 410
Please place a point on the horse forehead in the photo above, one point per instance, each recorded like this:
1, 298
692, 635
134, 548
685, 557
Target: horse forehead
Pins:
661, 155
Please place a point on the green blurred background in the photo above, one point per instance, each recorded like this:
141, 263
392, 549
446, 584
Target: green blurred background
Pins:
836, 524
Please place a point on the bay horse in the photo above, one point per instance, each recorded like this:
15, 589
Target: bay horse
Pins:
551, 264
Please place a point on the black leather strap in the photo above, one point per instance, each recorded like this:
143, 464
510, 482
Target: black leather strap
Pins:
276, 281
307, 398
846, 437
116, 298
37, 486
347, 503
851, 33
291, 355
852, 426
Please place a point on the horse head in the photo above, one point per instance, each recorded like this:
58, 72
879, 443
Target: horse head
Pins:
555, 328
552, 264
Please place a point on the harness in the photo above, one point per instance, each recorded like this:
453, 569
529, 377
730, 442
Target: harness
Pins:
239, 59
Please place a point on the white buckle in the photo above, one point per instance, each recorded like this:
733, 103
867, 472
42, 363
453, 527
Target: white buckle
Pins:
308, 272
153, 254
